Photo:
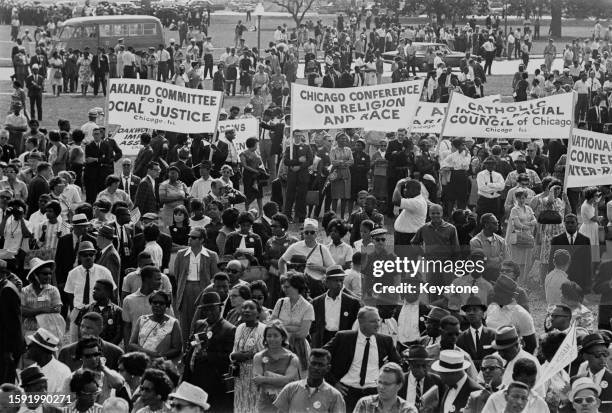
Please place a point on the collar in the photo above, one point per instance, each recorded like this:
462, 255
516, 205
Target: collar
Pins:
472, 329
338, 298
460, 383
362, 337
105, 248
203, 252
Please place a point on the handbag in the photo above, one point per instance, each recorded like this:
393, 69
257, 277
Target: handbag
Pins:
549, 216
229, 378
522, 239
58, 74
312, 198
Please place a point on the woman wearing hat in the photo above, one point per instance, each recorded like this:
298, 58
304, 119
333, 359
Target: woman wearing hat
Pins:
188, 399
521, 224
172, 193
40, 298
341, 159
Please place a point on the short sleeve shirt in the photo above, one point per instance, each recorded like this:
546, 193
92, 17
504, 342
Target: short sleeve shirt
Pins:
511, 314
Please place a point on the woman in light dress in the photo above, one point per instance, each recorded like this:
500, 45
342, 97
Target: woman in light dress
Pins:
590, 220
521, 220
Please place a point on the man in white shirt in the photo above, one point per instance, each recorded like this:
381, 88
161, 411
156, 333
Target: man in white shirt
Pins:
556, 278
508, 346
80, 282
201, 187
490, 185
418, 380
163, 59
43, 345
129, 62
89, 126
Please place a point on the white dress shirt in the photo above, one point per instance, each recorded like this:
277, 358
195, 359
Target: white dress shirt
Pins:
194, 264
351, 378
200, 188
75, 283
490, 184
452, 394
332, 312
473, 333
410, 395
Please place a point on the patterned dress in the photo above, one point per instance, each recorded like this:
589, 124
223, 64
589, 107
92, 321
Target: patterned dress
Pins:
246, 394
545, 232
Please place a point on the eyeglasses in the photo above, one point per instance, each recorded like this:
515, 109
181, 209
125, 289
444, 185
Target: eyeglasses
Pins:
309, 232
178, 406
92, 355
380, 239
585, 400
490, 368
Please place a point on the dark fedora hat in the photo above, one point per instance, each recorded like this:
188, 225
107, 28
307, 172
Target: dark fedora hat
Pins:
32, 375
210, 299
417, 352
437, 314
504, 285
591, 340
473, 301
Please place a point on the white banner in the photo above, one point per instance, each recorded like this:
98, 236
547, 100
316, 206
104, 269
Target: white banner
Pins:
589, 159
429, 116
149, 104
566, 353
386, 107
547, 118
245, 128
128, 139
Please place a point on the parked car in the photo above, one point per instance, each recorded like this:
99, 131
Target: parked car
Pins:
451, 57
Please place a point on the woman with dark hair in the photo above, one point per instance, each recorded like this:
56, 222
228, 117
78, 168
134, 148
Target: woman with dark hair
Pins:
341, 252
15, 229
58, 153
550, 203
18, 96
237, 295
521, 223
229, 217
157, 334
274, 367
179, 230
154, 390
76, 155
341, 159
244, 240
247, 342
259, 293
112, 193
132, 366
84, 385
572, 296
172, 193
413, 210
296, 314
85, 72
454, 177
590, 220
274, 249
56, 65
251, 171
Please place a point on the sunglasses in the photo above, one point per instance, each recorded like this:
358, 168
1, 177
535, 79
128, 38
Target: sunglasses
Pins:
585, 400
309, 232
178, 407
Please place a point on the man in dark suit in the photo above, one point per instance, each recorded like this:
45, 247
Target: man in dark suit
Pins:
597, 116
12, 344
164, 240
98, 164
35, 84
394, 148
418, 380
91, 327
7, 151
477, 337
109, 257
593, 347
330, 80
298, 177
445, 84
263, 225
334, 310
100, 68
579, 248
603, 285
534, 161
225, 152
214, 338
33, 381
66, 255
355, 362
127, 180
186, 174
144, 156
458, 387
492, 370
38, 186
146, 194
124, 239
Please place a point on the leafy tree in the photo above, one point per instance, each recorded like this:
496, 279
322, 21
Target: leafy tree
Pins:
296, 8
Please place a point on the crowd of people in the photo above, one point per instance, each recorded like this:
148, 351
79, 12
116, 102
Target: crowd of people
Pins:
159, 288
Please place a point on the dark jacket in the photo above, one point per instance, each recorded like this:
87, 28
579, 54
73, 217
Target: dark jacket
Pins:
37, 187
134, 181
594, 124
165, 242
466, 342
99, 64
186, 174
145, 155
462, 397
34, 86
111, 352
252, 240
65, 255
263, 229
349, 306
431, 380
342, 349
601, 284
146, 198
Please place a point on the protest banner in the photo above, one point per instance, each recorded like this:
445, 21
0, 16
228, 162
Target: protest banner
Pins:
589, 159
156, 105
245, 128
386, 107
128, 139
546, 118
565, 354
429, 116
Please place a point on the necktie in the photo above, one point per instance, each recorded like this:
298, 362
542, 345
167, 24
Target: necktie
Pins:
477, 341
491, 176
572, 239
364, 362
86, 288
126, 185
417, 395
